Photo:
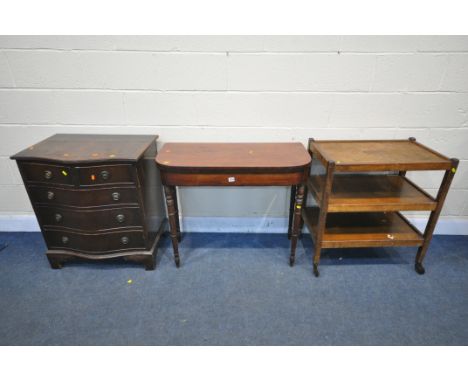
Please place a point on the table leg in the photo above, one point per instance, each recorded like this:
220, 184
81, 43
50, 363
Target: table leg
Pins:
322, 219
176, 206
443, 190
291, 210
171, 196
304, 204
296, 222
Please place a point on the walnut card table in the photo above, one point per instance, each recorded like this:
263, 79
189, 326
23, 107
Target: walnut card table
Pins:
234, 164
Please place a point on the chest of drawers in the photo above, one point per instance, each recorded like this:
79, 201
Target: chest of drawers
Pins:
95, 196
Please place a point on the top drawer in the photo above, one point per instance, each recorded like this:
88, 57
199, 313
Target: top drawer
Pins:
46, 173
106, 174
76, 175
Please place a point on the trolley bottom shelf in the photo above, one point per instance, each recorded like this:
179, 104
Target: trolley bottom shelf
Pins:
363, 229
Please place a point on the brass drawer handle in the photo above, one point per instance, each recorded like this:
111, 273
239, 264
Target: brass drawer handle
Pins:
116, 196
48, 174
124, 240
50, 195
105, 175
120, 218
58, 218
65, 239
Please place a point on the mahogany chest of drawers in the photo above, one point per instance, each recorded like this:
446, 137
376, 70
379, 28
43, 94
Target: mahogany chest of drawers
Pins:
95, 196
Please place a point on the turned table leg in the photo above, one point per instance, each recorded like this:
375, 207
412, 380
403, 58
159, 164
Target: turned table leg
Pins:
176, 206
171, 202
291, 210
296, 222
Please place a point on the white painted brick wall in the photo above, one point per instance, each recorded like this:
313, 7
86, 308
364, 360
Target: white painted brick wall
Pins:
236, 88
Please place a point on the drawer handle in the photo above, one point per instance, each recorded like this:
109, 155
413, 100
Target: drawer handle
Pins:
116, 196
105, 175
58, 218
50, 195
120, 218
65, 239
125, 240
231, 179
48, 174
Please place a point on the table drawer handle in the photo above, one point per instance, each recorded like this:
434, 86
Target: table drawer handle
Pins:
65, 239
116, 196
58, 218
231, 179
50, 195
120, 218
105, 175
48, 174
124, 240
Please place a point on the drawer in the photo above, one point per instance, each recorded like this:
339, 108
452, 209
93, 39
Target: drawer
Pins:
90, 219
83, 197
234, 179
47, 173
95, 243
106, 174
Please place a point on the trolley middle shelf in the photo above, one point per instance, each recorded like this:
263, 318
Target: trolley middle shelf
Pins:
367, 192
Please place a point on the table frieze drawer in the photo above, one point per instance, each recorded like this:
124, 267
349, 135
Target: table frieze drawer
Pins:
83, 197
232, 179
105, 174
90, 220
47, 173
95, 243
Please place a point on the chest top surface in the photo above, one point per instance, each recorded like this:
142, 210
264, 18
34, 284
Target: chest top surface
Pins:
245, 156
68, 148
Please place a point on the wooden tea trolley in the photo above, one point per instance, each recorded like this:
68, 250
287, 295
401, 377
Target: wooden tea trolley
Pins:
361, 187
233, 164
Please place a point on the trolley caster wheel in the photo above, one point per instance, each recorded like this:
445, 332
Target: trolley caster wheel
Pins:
419, 269
316, 271
177, 262
291, 261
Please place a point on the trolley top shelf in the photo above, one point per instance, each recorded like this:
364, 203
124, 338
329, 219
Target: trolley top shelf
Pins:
379, 155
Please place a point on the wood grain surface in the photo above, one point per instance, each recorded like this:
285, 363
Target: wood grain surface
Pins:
224, 157
71, 148
379, 155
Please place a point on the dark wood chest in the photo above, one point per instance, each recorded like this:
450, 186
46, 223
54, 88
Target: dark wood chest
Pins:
95, 196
